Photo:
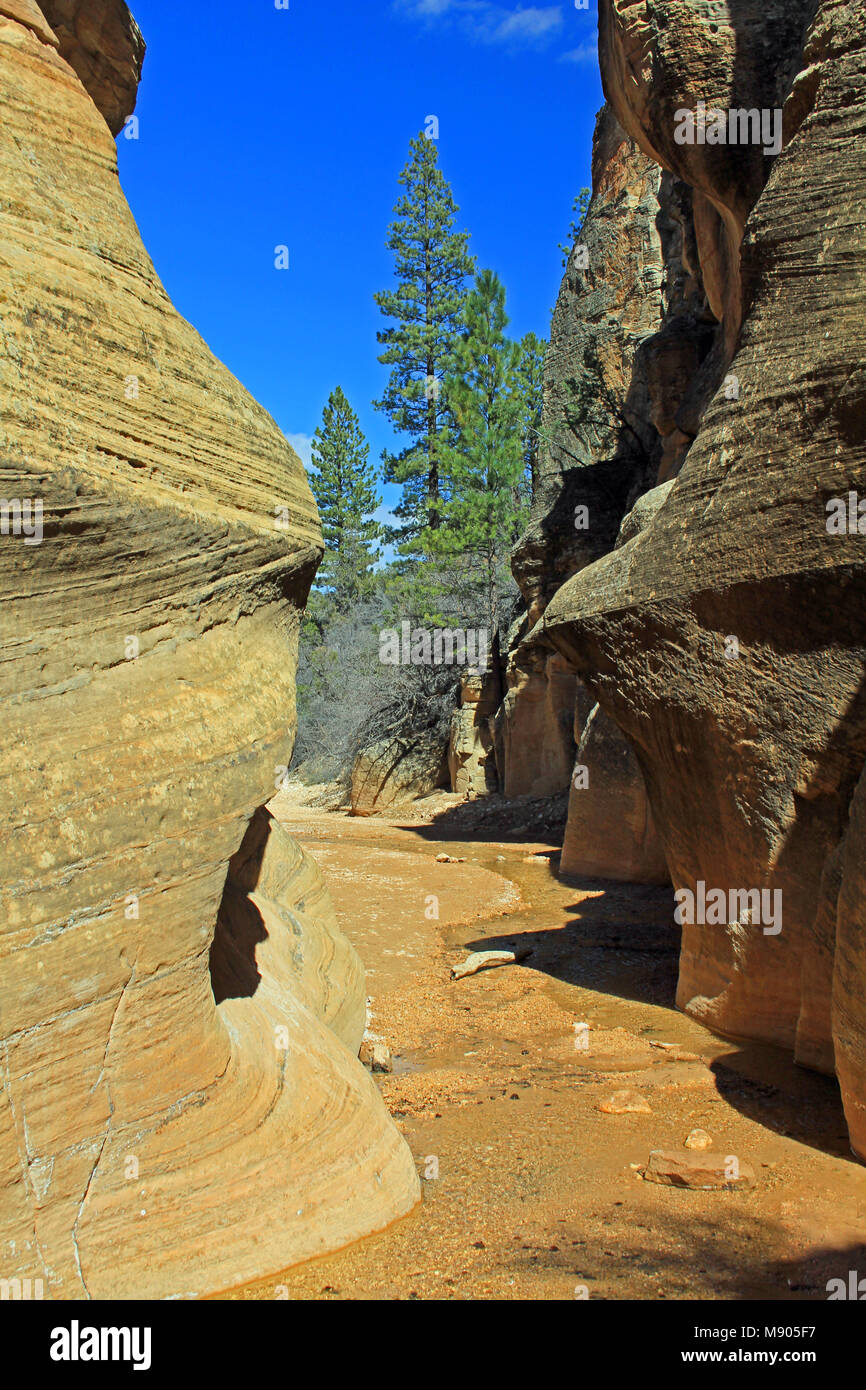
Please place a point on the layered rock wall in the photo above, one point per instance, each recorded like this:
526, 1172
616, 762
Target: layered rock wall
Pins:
727, 637
631, 335
158, 542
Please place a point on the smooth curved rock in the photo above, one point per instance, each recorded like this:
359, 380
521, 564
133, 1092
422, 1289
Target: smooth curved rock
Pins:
152, 1144
610, 831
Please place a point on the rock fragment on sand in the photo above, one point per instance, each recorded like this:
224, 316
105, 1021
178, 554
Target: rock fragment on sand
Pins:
625, 1103
487, 960
698, 1139
711, 1172
376, 1056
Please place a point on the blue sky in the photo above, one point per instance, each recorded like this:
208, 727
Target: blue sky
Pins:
261, 127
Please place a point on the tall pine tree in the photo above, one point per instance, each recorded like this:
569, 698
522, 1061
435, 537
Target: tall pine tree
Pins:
432, 263
530, 383
344, 486
485, 462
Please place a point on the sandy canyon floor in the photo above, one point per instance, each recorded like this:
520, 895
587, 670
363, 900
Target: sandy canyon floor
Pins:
530, 1190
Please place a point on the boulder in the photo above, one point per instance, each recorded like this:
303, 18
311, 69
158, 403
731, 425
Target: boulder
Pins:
398, 770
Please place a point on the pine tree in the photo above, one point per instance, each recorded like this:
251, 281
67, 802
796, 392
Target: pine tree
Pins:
485, 462
432, 263
579, 209
344, 486
530, 381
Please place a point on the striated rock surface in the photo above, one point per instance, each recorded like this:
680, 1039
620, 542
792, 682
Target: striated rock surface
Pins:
657, 60
727, 638
596, 451
153, 1142
597, 442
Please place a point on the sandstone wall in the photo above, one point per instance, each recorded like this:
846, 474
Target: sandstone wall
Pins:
634, 343
534, 725
597, 442
102, 42
153, 1142
751, 748
471, 752
610, 832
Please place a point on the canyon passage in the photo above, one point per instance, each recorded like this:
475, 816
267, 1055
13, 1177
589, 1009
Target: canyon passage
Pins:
244, 862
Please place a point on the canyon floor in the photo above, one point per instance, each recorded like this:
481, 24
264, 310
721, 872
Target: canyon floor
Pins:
530, 1190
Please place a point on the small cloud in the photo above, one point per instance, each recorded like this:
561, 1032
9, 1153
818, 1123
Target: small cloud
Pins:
584, 53
303, 446
521, 26
486, 22
427, 9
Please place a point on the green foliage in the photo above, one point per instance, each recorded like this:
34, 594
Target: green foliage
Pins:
485, 504
431, 265
579, 209
530, 383
467, 400
344, 486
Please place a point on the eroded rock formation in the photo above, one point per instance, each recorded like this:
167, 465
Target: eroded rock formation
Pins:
534, 725
726, 637
153, 1142
631, 328
471, 751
